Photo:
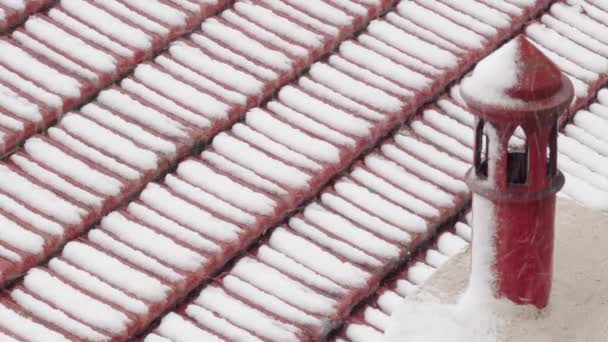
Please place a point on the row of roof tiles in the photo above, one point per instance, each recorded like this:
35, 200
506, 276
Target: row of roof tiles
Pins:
270, 164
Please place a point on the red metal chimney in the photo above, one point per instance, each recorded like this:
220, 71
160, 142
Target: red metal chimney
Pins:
517, 94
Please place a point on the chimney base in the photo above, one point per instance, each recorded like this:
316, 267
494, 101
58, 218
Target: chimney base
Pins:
577, 310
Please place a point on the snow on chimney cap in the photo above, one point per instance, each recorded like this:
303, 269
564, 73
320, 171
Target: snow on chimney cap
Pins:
517, 80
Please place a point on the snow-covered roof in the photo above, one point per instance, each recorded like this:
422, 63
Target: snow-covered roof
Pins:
276, 122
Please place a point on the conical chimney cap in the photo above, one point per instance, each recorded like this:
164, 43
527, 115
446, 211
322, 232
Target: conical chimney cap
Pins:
516, 79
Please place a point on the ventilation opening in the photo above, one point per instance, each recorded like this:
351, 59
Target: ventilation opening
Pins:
481, 150
517, 158
552, 153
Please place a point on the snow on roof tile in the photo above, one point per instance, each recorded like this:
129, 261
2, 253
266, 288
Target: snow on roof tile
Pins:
14, 12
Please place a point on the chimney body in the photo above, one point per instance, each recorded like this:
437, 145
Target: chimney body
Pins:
517, 95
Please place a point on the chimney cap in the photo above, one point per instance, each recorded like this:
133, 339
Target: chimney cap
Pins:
517, 83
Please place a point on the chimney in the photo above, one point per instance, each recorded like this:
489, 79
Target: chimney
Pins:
517, 95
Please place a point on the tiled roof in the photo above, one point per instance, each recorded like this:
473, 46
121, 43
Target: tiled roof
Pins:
301, 280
